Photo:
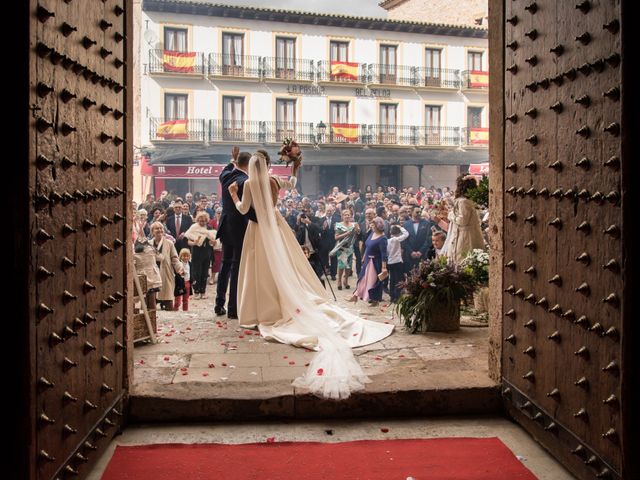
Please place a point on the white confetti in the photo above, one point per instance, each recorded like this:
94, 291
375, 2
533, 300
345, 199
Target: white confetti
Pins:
438, 343
521, 458
254, 373
224, 378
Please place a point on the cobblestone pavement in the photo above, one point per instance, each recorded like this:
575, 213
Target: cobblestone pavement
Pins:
198, 347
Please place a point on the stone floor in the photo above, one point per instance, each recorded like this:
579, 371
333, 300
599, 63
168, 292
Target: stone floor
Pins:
212, 355
543, 466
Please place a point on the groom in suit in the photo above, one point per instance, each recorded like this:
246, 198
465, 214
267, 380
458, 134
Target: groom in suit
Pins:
231, 230
417, 245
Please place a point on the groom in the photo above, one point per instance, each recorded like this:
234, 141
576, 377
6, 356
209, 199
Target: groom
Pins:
231, 231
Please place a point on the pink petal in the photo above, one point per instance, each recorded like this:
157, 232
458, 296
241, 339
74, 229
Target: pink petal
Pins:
384, 429
205, 374
320, 372
166, 359
211, 365
292, 363
271, 439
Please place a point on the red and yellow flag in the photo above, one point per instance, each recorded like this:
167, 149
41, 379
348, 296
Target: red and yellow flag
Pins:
346, 131
348, 70
181, 62
478, 136
173, 130
478, 79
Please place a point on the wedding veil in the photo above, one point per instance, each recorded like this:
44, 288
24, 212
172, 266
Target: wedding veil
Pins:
334, 371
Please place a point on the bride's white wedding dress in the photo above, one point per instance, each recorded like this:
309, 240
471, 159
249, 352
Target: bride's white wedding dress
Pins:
280, 294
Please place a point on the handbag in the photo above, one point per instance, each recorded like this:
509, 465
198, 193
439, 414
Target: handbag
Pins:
383, 276
180, 286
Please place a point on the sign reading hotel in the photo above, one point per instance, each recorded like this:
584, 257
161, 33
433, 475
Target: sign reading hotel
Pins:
308, 90
373, 92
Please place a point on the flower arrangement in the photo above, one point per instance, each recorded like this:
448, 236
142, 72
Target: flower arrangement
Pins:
476, 264
433, 292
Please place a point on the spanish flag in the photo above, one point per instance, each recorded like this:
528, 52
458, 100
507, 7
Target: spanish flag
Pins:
173, 130
181, 62
348, 70
478, 79
347, 131
478, 136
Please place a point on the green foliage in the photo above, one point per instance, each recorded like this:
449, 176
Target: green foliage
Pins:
432, 285
480, 194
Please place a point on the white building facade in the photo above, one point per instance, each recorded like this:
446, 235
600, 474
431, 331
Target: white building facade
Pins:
371, 101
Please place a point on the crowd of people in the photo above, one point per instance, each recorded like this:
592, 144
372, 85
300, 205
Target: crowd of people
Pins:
364, 240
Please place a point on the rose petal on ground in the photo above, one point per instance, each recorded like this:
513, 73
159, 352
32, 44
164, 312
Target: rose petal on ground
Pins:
211, 365
292, 363
271, 439
166, 359
224, 364
205, 374
384, 429
320, 372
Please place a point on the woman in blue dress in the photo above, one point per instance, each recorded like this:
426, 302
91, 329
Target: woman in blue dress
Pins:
374, 265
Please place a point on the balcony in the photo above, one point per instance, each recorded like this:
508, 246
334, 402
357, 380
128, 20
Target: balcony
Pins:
289, 69
475, 80
176, 63
249, 131
342, 72
236, 66
413, 135
189, 130
400, 75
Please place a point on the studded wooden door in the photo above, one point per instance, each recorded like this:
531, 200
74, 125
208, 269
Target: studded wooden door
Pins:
564, 193
78, 166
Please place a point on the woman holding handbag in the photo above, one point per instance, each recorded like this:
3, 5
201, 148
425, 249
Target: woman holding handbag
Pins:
374, 266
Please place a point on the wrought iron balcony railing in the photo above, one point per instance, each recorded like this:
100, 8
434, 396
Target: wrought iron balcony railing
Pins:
225, 65
413, 135
402, 75
475, 79
167, 61
177, 130
259, 132
265, 132
288, 68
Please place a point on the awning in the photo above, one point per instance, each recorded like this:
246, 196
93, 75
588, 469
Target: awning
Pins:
323, 155
479, 169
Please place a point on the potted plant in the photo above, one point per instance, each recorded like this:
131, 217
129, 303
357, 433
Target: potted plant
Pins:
476, 264
433, 292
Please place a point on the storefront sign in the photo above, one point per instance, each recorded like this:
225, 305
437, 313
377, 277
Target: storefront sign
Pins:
373, 92
308, 90
204, 171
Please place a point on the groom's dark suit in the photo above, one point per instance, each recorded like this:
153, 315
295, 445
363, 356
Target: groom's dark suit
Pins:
231, 231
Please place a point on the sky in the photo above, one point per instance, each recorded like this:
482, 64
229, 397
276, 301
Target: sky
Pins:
359, 8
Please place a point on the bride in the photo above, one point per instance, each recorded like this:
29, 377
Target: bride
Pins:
280, 294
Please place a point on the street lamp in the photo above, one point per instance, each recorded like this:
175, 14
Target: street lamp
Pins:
321, 128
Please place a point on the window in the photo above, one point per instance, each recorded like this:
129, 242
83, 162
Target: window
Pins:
341, 130
285, 57
175, 106
233, 118
232, 51
339, 112
285, 119
175, 39
474, 61
339, 51
474, 117
387, 127
432, 67
388, 56
432, 124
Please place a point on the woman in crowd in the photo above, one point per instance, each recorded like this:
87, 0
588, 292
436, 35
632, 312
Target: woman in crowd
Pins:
345, 236
201, 241
168, 263
464, 232
374, 265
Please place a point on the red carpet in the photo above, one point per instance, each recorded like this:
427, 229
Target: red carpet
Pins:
435, 459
